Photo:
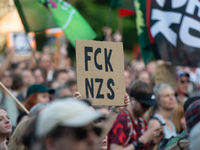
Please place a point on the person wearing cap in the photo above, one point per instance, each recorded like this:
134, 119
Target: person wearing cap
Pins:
165, 97
111, 115
129, 130
37, 93
183, 92
68, 125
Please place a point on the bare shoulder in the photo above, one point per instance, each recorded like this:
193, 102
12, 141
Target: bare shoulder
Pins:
153, 123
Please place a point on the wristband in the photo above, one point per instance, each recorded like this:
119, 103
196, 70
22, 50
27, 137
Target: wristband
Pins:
114, 110
138, 145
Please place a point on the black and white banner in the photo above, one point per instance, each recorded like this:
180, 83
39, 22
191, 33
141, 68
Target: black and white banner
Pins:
174, 27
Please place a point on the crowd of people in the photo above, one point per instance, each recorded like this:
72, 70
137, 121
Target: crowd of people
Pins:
153, 116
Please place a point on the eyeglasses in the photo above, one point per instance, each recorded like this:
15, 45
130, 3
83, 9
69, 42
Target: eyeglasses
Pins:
187, 81
97, 121
82, 133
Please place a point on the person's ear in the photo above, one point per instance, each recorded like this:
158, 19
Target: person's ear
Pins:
132, 100
158, 101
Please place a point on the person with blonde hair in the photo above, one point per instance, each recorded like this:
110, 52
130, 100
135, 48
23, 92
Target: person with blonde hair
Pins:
160, 115
15, 140
178, 118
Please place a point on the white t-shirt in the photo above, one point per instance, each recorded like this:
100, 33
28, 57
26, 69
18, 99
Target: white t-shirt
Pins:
167, 132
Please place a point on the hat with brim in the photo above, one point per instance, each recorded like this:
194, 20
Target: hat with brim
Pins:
68, 113
181, 73
38, 88
184, 74
78, 121
147, 99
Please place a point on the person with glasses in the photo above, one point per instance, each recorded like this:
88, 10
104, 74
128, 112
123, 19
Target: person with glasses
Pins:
183, 92
107, 123
67, 124
129, 131
162, 113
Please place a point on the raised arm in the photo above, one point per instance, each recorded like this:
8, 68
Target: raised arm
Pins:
10, 53
112, 115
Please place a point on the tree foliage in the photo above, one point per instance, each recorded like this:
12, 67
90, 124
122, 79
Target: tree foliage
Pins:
96, 13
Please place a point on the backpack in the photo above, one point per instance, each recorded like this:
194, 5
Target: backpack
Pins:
130, 125
181, 144
163, 141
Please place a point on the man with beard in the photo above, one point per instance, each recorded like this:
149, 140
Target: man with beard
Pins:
129, 132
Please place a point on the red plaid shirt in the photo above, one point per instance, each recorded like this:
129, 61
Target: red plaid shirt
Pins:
124, 131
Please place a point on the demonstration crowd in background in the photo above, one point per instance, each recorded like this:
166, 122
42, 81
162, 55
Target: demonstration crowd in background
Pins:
153, 117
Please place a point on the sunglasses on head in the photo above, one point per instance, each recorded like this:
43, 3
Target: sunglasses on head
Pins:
82, 133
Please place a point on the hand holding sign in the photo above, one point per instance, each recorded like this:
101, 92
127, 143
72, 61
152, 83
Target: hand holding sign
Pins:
118, 108
100, 67
126, 103
77, 95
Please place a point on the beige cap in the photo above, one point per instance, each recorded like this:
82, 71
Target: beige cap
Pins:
68, 112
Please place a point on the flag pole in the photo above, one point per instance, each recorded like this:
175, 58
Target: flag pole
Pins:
109, 15
57, 53
58, 36
32, 50
120, 24
18, 102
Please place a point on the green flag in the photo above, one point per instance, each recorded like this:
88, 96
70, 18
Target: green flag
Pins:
38, 15
69, 19
35, 17
143, 36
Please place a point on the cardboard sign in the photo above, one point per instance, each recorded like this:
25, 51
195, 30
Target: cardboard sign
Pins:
100, 72
166, 73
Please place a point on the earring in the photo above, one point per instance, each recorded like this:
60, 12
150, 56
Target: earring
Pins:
132, 101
